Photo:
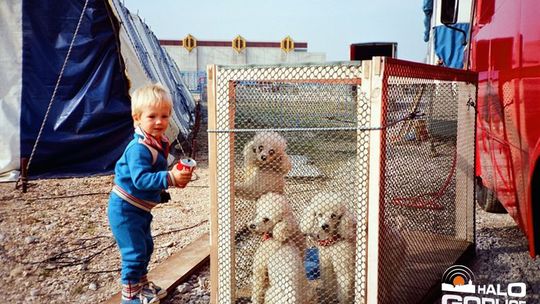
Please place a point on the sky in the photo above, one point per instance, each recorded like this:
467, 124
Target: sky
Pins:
327, 26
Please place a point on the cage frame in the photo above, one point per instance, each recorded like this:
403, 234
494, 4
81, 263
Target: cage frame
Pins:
376, 75
353, 78
371, 81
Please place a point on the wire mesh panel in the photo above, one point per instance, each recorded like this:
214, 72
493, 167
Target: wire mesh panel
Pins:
425, 217
300, 154
291, 179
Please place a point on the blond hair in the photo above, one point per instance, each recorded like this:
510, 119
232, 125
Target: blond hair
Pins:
149, 95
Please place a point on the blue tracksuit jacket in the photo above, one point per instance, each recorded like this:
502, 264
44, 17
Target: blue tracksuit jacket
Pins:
140, 176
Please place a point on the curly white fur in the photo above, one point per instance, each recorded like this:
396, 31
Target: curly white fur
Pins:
265, 165
278, 273
329, 222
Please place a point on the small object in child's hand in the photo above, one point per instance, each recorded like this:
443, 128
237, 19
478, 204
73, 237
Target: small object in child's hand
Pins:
164, 197
187, 164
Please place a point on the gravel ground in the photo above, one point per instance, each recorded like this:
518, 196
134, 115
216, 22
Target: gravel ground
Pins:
55, 241
502, 256
195, 291
55, 246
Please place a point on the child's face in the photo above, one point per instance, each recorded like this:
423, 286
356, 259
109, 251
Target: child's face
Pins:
154, 119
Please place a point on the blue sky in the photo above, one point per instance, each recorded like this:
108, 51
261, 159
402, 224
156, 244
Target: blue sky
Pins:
327, 26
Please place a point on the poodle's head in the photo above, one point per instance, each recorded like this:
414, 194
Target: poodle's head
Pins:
265, 149
327, 217
272, 216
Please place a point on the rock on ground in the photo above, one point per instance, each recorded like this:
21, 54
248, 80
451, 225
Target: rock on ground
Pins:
55, 242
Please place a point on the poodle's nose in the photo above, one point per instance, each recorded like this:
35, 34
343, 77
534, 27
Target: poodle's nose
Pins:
325, 226
263, 157
252, 226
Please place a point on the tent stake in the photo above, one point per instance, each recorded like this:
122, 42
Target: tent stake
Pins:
24, 174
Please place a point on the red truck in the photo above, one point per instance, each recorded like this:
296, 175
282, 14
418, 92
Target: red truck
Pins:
504, 48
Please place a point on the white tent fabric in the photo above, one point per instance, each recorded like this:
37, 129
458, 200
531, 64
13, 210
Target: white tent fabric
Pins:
10, 87
153, 64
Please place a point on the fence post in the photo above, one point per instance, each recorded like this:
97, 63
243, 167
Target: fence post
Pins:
373, 88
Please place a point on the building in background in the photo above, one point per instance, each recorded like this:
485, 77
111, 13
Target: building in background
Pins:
192, 56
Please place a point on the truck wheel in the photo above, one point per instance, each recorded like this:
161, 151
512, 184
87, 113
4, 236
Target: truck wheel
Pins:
487, 201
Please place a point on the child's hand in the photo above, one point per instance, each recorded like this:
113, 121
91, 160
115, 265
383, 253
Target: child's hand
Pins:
181, 178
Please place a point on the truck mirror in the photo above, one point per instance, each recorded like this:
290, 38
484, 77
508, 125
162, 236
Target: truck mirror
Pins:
449, 11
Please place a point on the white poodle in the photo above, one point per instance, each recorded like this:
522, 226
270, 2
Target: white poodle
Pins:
265, 165
328, 221
278, 273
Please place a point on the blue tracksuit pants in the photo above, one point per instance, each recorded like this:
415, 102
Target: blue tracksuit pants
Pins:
130, 226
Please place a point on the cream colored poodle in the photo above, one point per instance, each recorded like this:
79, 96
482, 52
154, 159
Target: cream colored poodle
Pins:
328, 221
265, 165
278, 273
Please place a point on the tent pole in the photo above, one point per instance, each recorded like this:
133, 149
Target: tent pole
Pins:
24, 174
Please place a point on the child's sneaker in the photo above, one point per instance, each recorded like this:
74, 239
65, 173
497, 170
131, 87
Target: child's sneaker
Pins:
141, 299
133, 294
151, 289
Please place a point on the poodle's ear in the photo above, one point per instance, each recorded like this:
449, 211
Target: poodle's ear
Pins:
294, 227
285, 164
307, 220
282, 231
281, 141
248, 154
346, 228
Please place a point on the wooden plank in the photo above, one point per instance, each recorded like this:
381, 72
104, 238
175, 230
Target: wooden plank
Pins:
434, 293
212, 177
230, 157
178, 267
362, 183
465, 165
426, 259
373, 88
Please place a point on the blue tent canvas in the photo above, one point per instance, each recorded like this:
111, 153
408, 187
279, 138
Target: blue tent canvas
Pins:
67, 70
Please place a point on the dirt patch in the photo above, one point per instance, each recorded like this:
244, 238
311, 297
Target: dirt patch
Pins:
55, 241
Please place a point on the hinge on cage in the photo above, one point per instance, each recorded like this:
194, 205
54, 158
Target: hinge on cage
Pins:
471, 103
